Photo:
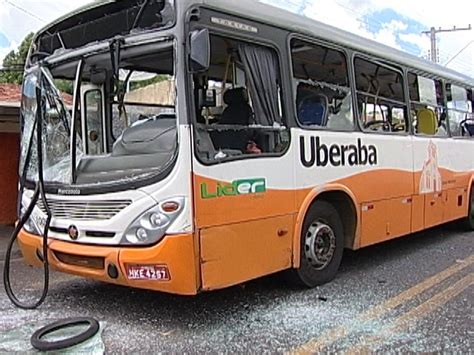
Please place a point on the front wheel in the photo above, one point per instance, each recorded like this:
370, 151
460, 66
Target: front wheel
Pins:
469, 220
322, 245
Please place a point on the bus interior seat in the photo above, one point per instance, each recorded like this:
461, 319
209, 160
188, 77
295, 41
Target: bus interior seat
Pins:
426, 122
313, 110
204, 146
145, 145
342, 119
238, 110
230, 139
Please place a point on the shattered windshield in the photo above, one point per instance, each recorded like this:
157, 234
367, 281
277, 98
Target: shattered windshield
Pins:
56, 128
125, 124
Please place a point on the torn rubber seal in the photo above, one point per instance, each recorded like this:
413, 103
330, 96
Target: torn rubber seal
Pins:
43, 345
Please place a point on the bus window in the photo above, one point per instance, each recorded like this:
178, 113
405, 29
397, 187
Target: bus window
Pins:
93, 122
146, 94
427, 106
461, 118
469, 124
238, 103
323, 95
380, 98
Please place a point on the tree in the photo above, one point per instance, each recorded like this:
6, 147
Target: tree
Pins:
14, 63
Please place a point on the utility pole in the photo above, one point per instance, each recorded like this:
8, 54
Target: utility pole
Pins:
433, 31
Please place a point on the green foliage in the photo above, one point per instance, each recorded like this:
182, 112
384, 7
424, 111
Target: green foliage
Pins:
143, 83
65, 85
14, 62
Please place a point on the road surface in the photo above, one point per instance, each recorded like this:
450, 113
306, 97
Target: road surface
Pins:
411, 294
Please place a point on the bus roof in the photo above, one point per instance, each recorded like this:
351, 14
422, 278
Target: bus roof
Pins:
281, 18
297, 23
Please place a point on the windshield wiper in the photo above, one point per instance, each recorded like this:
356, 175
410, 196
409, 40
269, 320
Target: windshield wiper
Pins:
121, 92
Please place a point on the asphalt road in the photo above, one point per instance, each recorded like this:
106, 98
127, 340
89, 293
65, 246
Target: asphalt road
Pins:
411, 294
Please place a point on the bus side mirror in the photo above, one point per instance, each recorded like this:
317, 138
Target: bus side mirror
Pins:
200, 54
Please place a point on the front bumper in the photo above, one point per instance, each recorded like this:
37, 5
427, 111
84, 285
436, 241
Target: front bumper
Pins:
177, 252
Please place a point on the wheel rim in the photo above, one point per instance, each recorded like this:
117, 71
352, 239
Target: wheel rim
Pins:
320, 244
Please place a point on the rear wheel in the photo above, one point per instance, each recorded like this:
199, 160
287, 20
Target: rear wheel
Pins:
469, 221
322, 245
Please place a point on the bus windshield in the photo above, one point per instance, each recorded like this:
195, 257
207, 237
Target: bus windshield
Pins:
125, 126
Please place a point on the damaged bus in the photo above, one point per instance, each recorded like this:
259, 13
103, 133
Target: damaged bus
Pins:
206, 145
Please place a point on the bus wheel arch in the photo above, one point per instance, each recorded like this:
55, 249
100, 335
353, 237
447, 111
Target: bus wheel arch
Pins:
344, 203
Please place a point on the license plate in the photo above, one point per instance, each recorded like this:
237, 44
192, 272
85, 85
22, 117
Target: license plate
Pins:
148, 272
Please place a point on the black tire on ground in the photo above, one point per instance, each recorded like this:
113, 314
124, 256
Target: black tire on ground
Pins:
469, 220
44, 345
322, 246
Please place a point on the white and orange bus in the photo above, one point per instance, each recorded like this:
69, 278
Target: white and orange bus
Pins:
212, 142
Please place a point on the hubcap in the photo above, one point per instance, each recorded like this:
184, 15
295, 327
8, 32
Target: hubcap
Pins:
320, 244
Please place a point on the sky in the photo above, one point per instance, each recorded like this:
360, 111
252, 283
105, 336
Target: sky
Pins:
397, 23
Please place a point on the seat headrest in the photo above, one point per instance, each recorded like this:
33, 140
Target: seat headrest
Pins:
427, 122
313, 110
236, 96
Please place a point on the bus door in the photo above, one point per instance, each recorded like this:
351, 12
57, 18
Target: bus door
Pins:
385, 194
385, 190
243, 169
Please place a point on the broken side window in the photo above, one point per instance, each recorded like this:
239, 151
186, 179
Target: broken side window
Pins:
238, 103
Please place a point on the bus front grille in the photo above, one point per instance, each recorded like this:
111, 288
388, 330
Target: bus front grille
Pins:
93, 234
84, 210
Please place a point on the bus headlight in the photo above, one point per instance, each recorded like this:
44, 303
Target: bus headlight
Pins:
158, 220
151, 226
30, 226
141, 234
